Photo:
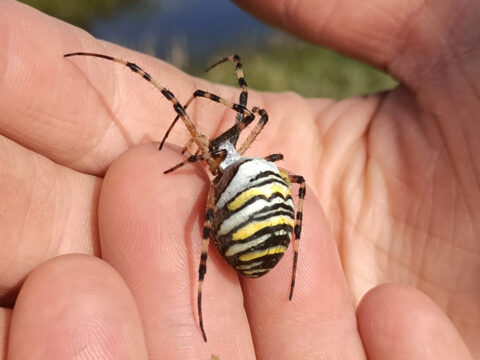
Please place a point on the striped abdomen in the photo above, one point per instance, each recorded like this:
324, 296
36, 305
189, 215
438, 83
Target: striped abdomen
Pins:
254, 216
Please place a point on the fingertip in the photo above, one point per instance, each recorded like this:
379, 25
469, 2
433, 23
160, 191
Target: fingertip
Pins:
400, 322
75, 304
151, 231
319, 320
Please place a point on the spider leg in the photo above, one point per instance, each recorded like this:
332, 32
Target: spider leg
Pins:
297, 179
190, 159
238, 127
179, 109
174, 122
202, 269
187, 145
242, 101
253, 134
274, 157
234, 130
241, 82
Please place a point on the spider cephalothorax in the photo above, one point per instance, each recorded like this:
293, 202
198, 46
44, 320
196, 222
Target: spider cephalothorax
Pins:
250, 215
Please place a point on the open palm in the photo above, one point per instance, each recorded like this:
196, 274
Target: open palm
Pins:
396, 175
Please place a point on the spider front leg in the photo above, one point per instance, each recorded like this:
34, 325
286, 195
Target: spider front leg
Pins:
189, 160
185, 106
241, 78
179, 109
297, 179
242, 101
202, 269
241, 82
236, 129
208, 95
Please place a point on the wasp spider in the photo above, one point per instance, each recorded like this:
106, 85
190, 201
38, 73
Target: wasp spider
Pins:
250, 215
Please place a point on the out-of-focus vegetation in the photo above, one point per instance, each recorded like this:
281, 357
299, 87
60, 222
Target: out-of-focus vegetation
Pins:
291, 65
77, 12
281, 64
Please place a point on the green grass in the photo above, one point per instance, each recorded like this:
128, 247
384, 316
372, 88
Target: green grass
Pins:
77, 12
311, 71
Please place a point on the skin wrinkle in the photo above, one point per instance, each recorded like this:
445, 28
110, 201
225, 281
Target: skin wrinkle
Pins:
423, 271
36, 190
452, 165
394, 259
325, 134
87, 225
464, 137
112, 120
343, 198
450, 310
396, 57
67, 215
92, 226
96, 148
320, 28
5, 43
471, 160
363, 137
416, 229
317, 156
454, 214
428, 233
319, 122
451, 49
57, 232
386, 15
20, 235
455, 59
106, 105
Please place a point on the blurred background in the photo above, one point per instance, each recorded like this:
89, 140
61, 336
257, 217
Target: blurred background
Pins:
192, 34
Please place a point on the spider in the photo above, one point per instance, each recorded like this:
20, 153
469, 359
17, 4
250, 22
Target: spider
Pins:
250, 215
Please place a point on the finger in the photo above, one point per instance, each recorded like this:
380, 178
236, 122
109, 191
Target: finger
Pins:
80, 112
398, 322
320, 321
75, 306
364, 29
5, 315
403, 37
47, 210
151, 230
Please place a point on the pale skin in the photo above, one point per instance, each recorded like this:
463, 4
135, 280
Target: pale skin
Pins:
393, 197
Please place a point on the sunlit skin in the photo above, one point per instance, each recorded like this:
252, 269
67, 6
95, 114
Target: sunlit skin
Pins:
394, 197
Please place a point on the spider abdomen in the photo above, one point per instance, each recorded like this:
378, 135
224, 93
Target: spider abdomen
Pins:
253, 217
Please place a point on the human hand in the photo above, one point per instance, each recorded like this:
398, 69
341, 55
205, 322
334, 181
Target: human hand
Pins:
394, 175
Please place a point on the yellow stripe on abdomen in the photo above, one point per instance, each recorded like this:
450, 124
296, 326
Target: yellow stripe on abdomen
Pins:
251, 228
266, 190
259, 254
